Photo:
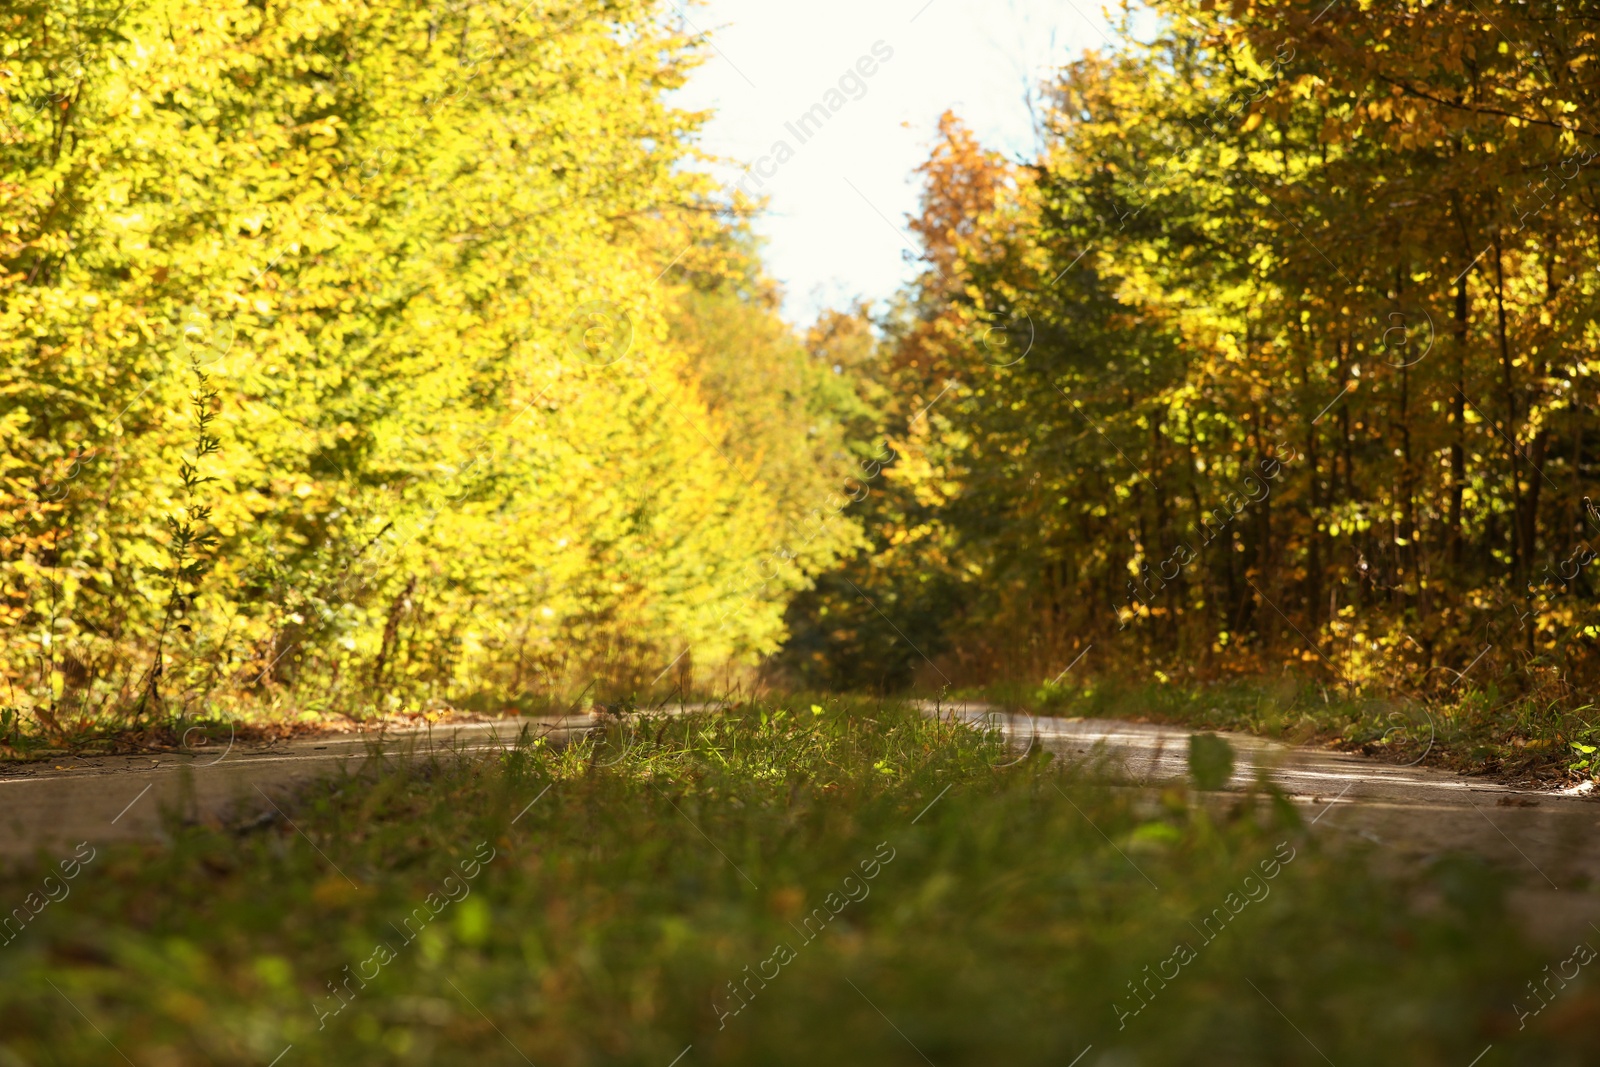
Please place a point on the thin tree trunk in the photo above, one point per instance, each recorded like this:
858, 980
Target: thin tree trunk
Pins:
1458, 422
1521, 553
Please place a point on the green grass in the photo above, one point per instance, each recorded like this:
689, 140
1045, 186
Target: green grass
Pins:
1005, 914
1481, 730
37, 733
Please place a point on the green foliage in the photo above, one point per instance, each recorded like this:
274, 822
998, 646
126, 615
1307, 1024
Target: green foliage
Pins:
1210, 761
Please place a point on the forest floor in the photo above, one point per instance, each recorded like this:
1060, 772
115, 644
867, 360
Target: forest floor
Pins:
858, 883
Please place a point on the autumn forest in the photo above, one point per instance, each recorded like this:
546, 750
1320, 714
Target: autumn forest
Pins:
362, 357
460, 604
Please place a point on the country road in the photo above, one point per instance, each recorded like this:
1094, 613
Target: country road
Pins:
105, 799
1547, 843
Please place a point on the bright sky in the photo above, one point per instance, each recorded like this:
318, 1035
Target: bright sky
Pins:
840, 189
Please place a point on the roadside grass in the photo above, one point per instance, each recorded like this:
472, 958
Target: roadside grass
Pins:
1479, 730
112, 728
26, 736
856, 884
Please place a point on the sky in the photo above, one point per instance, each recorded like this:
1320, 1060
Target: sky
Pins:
840, 189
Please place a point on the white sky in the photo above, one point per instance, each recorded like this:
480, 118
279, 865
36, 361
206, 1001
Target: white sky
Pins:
773, 60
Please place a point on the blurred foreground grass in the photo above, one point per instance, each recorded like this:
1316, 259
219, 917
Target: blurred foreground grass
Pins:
855, 885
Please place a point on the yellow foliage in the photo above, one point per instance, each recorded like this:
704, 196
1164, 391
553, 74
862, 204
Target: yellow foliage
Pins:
422, 254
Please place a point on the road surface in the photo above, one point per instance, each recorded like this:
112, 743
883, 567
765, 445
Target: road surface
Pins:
1408, 815
105, 799
1547, 842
